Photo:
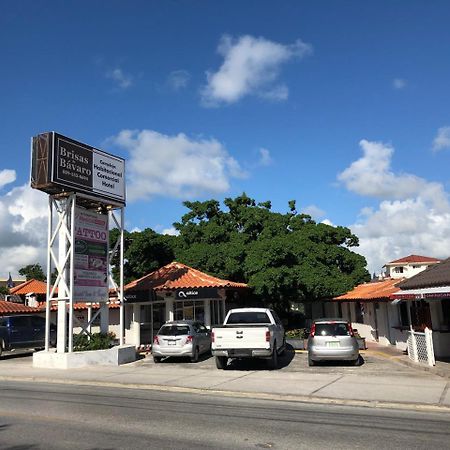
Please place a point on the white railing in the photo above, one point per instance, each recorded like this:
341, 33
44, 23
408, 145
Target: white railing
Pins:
420, 347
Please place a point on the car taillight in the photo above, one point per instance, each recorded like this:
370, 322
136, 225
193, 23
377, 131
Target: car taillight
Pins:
312, 332
267, 336
189, 339
213, 337
156, 340
350, 330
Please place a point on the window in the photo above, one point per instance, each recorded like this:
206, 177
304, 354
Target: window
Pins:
446, 313
359, 312
20, 321
248, 318
332, 329
174, 330
398, 269
404, 321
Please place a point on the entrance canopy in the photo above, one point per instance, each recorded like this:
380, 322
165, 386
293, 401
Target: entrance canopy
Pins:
185, 282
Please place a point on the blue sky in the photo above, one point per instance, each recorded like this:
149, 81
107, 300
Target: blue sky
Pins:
342, 106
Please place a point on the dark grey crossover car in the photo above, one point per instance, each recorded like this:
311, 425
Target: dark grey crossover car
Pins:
181, 338
332, 339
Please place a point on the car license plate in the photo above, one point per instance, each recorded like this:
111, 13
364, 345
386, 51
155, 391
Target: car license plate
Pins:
170, 342
333, 344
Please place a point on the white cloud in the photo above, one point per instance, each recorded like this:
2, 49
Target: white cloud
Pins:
122, 80
23, 228
170, 231
264, 157
413, 216
178, 79
314, 211
7, 176
251, 66
175, 166
399, 83
372, 176
442, 139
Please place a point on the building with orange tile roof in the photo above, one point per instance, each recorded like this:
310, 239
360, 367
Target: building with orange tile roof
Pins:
177, 292
7, 308
371, 307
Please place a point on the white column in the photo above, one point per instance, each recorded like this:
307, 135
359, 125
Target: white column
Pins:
62, 292
89, 317
104, 318
136, 324
169, 309
207, 308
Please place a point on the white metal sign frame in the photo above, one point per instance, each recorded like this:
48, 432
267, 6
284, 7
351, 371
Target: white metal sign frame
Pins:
61, 234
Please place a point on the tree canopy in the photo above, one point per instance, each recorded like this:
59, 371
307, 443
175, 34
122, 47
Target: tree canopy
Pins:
144, 252
283, 257
33, 271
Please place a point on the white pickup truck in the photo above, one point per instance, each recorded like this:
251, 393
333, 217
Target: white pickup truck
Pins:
248, 333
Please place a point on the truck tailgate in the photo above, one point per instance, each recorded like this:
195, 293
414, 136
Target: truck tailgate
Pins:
240, 337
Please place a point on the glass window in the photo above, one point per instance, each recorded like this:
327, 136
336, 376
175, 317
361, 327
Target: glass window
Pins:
332, 329
37, 321
174, 330
20, 321
248, 317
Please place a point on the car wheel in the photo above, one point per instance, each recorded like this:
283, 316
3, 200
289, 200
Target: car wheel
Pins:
283, 348
157, 359
273, 361
311, 362
195, 355
2, 346
355, 362
221, 362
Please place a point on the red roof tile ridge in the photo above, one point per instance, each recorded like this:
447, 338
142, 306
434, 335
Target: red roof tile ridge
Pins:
415, 258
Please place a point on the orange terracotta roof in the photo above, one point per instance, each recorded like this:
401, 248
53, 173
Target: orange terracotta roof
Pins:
16, 308
36, 286
415, 259
179, 276
375, 290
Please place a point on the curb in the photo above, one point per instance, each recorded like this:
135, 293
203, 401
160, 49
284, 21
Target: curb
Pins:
255, 395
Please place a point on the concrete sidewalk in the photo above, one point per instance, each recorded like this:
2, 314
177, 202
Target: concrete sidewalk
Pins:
382, 381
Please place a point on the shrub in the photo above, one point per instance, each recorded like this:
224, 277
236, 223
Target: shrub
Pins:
297, 333
98, 341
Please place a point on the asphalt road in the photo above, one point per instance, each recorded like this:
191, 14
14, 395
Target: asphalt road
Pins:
44, 416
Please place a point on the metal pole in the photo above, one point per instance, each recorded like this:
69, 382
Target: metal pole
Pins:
49, 272
122, 312
72, 262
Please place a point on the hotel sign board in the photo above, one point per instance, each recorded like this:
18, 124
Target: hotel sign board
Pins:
61, 164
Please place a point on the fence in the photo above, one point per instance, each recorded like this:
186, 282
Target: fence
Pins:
420, 347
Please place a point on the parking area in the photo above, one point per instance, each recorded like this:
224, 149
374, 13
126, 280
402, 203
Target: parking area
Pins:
371, 364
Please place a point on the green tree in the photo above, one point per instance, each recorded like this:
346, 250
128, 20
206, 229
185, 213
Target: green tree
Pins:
4, 290
33, 271
144, 252
283, 257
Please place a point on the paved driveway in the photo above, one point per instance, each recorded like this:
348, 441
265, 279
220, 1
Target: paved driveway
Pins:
371, 364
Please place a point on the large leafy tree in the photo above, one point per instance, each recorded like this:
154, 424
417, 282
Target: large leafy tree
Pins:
33, 271
284, 257
144, 252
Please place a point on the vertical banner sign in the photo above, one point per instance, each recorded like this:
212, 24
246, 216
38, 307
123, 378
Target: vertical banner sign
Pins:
91, 256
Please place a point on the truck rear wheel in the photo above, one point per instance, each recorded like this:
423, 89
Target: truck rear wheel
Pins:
221, 362
273, 361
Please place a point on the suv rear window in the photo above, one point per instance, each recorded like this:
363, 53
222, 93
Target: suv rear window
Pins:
248, 317
332, 329
174, 330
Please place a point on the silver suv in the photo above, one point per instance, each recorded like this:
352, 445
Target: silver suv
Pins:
181, 338
332, 339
